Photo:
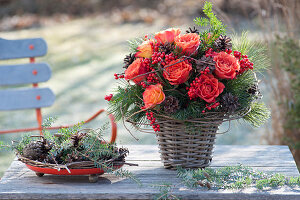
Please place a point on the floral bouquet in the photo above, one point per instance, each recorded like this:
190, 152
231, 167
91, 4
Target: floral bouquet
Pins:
184, 85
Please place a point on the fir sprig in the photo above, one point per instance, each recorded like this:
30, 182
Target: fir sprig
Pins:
4, 146
239, 86
258, 114
134, 43
215, 25
126, 102
229, 177
234, 177
256, 51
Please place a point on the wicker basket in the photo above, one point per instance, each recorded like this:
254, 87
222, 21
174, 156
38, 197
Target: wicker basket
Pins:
188, 144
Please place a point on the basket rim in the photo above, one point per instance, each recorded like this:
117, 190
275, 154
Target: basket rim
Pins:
220, 117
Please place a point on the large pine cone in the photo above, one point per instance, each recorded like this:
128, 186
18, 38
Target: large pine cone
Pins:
171, 104
128, 60
75, 139
192, 30
223, 43
167, 47
36, 150
229, 103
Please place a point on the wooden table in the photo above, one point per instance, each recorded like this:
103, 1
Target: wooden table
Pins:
21, 183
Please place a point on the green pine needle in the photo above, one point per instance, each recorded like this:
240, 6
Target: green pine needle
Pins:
256, 51
234, 177
215, 25
258, 115
134, 43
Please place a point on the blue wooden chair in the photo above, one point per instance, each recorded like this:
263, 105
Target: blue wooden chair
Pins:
30, 73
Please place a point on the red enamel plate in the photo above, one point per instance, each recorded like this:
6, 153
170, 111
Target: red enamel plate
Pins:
66, 172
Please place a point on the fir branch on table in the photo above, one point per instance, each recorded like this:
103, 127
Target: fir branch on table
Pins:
234, 177
165, 191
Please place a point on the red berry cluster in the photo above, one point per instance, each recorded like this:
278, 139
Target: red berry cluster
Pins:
144, 85
157, 57
117, 76
229, 51
205, 71
161, 57
155, 46
108, 97
152, 78
170, 57
210, 52
245, 64
146, 63
237, 54
212, 106
192, 91
152, 119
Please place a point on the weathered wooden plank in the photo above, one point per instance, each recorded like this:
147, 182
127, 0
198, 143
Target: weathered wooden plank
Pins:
25, 48
21, 183
155, 167
15, 99
24, 73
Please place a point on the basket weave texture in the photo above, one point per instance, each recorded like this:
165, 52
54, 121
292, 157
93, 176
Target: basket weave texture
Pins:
188, 144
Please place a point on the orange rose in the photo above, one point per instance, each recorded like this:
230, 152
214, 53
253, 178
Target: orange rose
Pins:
167, 35
145, 49
209, 88
135, 69
227, 66
177, 73
153, 95
188, 43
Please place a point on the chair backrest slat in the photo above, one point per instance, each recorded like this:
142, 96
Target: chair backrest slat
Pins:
16, 99
25, 48
24, 73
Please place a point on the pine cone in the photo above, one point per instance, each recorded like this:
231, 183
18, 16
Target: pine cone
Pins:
192, 30
171, 104
254, 90
167, 47
36, 150
128, 60
75, 139
223, 43
73, 157
123, 152
229, 103
205, 62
